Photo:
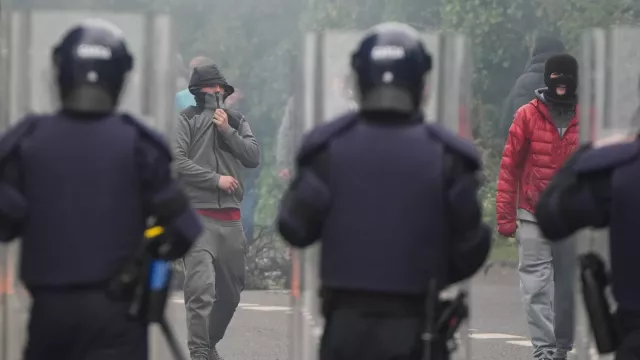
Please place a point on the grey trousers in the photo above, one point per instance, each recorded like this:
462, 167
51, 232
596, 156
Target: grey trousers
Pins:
214, 278
547, 278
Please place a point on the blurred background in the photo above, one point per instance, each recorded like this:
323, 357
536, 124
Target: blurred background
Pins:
253, 42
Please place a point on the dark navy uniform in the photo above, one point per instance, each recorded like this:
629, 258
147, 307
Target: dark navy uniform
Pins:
394, 201
78, 188
598, 187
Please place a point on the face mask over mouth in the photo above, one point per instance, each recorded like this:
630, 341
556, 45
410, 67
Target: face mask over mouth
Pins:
561, 71
213, 101
562, 86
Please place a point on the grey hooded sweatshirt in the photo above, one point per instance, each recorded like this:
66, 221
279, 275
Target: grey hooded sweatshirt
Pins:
203, 153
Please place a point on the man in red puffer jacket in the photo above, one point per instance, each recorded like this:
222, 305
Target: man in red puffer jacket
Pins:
543, 134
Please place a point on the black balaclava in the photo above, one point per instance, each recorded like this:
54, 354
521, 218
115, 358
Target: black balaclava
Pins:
567, 66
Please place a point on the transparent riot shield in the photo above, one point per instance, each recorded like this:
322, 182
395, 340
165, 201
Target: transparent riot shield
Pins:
324, 92
609, 105
453, 111
302, 326
28, 31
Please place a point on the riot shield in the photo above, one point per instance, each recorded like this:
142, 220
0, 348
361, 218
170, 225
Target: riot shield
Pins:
609, 105
453, 111
28, 31
324, 92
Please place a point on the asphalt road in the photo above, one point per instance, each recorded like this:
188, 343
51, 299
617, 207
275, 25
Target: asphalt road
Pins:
259, 330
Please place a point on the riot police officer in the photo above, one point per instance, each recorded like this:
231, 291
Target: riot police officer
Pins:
393, 200
597, 187
79, 187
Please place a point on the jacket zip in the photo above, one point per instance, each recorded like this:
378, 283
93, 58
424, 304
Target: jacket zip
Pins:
215, 155
569, 126
566, 131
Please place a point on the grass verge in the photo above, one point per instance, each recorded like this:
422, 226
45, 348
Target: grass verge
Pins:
504, 252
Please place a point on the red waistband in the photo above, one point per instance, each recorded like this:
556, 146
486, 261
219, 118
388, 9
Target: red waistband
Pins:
220, 214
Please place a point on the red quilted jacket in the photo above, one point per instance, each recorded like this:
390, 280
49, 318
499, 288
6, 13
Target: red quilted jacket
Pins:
533, 152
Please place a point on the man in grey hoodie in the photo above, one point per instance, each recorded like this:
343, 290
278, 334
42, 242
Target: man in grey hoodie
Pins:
212, 147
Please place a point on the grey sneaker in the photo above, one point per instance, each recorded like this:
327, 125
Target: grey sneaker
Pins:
215, 355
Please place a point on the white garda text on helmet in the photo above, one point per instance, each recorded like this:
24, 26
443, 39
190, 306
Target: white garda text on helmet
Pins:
91, 51
387, 52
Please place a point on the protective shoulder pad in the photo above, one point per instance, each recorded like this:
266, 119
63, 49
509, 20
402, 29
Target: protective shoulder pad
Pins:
148, 134
14, 136
190, 112
320, 136
455, 144
607, 157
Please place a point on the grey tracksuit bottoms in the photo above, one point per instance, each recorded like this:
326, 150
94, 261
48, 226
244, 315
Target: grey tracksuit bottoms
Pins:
214, 279
547, 276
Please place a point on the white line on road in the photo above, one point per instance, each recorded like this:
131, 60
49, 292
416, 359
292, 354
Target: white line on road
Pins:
181, 301
265, 308
493, 336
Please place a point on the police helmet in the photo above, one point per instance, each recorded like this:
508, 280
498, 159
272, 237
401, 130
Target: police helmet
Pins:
390, 65
91, 62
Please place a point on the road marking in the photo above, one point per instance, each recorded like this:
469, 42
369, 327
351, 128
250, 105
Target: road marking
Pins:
494, 336
265, 308
317, 331
181, 301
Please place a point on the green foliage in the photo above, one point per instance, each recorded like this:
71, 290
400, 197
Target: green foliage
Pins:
505, 253
573, 16
491, 151
268, 264
498, 31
